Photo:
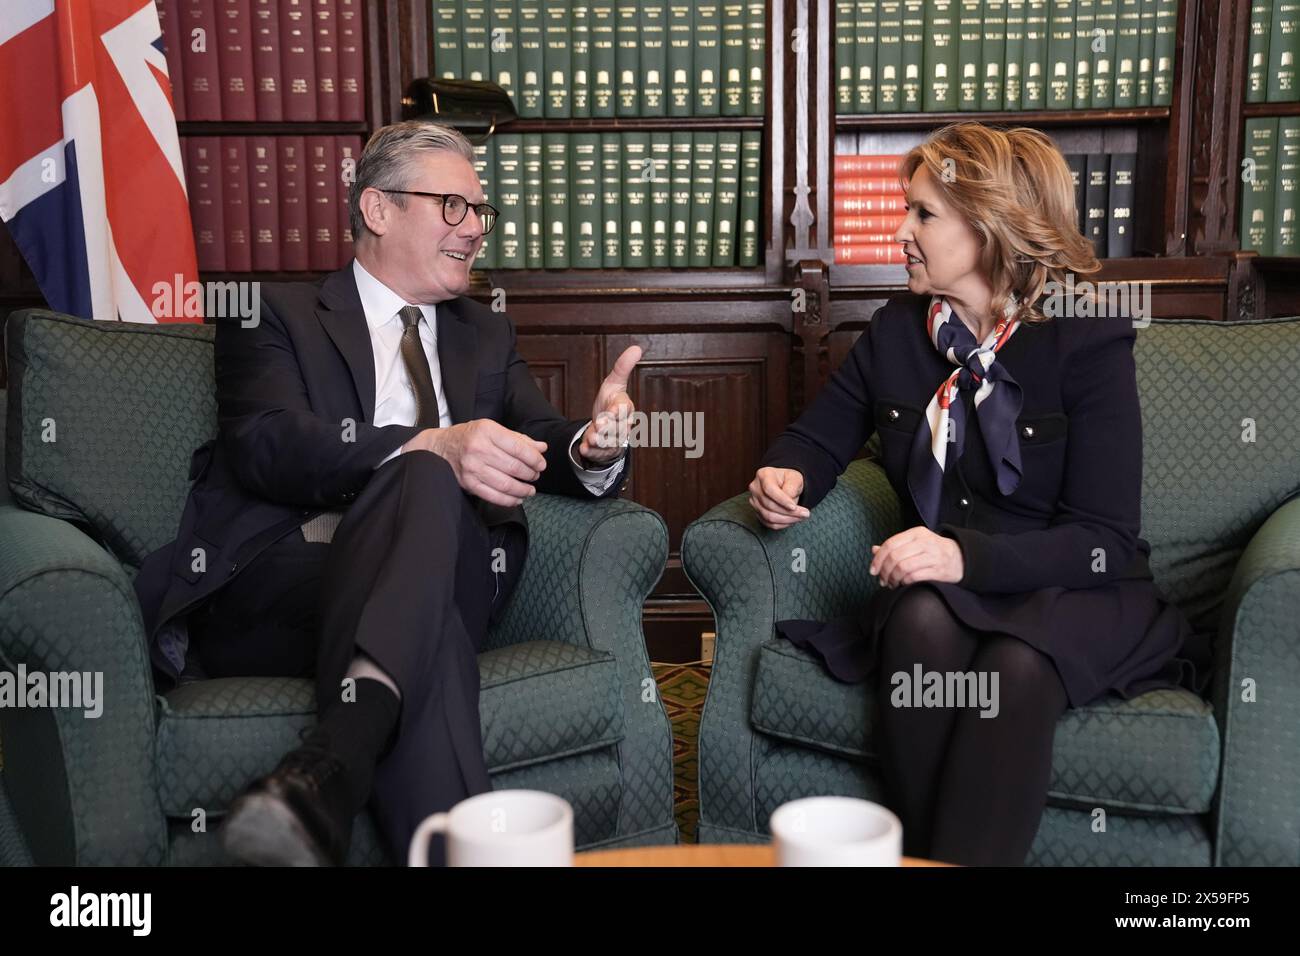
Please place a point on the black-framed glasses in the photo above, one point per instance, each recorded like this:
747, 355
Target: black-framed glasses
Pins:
456, 206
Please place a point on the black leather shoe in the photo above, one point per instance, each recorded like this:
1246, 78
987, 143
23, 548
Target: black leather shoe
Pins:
295, 816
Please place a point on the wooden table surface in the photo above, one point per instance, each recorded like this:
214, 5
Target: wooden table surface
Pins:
695, 854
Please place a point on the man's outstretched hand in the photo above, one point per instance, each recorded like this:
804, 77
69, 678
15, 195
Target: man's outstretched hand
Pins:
602, 442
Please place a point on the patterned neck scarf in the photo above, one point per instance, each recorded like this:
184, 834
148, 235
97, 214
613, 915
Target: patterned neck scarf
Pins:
997, 404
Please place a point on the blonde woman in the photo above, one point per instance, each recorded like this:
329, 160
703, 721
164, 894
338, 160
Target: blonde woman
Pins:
1014, 443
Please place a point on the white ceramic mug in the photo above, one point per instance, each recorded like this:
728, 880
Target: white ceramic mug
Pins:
501, 828
836, 831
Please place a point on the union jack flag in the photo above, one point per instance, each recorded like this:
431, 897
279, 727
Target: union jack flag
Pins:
92, 186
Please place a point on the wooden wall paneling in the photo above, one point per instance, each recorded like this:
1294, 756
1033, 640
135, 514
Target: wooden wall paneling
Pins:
566, 369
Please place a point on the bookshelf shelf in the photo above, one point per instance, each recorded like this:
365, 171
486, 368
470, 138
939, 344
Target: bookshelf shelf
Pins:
1257, 110
905, 121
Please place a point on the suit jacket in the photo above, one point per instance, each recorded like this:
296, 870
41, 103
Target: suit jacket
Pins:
1080, 432
295, 396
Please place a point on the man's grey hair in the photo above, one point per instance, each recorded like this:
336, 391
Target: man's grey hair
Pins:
385, 162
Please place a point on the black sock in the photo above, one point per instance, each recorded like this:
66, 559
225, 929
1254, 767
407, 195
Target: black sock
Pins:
359, 733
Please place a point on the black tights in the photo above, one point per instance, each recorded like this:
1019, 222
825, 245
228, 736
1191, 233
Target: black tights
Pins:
968, 789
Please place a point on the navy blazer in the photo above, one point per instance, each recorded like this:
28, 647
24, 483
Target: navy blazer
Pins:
295, 397
1080, 432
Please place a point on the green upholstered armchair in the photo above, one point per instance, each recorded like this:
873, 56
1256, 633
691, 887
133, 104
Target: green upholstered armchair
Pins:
1181, 780
102, 418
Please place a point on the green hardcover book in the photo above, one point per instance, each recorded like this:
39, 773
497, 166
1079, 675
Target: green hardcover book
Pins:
681, 167
584, 212
1261, 20
654, 57
1014, 55
1105, 20
993, 52
755, 57
970, 39
864, 56
580, 48
661, 199
1286, 205
529, 25
913, 56
889, 56
1033, 65
1060, 55
726, 198
447, 60
1146, 51
708, 57
1258, 187
1162, 79
485, 166
732, 92
604, 58
638, 169
509, 230
558, 58
940, 56
845, 35
476, 57
627, 59
751, 196
1085, 17
534, 210
503, 47
1128, 25
703, 180
1283, 48
681, 56
611, 200
555, 199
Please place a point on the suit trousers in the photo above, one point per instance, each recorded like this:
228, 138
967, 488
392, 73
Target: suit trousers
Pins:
408, 580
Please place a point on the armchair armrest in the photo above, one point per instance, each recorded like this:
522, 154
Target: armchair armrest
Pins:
1259, 641
753, 577
82, 788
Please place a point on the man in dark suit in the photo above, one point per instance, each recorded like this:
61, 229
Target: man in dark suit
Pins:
358, 516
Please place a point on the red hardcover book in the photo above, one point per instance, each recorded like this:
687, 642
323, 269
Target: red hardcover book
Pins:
349, 148
870, 205
292, 192
867, 165
266, 61
352, 61
297, 61
169, 19
887, 224
235, 59
325, 28
867, 185
203, 179
322, 203
863, 238
871, 254
199, 51
234, 197
264, 203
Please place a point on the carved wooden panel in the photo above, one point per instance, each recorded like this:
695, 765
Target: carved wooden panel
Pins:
565, 369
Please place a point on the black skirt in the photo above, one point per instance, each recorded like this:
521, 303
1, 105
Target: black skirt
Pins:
1120, 638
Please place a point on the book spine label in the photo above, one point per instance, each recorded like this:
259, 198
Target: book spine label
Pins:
681, 168
1096, 191
1012, 81
1261, 19
297, 60
199, 52
325, 27
558, 59
751, 197
733, 58
1258, 188
889, 56
503, 46
627, 59
755, 57
534, 213
681, 58
267, 83
940, 55
584, 216
1078, 164
611, 200
447, 61
703, 180
352, 62
604, 58
913, 56
580, 48
1122, 196
970, 40
475, 30
1085, 16
654, 57
1146, 51
532, 58
846, 33
292, 187
660, 199
169, 21
1286, 203
726, 199
1128, 24
509, 199
264, 203
322, 210
863, 63
638, 169
1033, 65
708, 57
993, 52
1060, 55
349, 154
1103, 55
486, 166
1162, 80
1283, 49
203, 178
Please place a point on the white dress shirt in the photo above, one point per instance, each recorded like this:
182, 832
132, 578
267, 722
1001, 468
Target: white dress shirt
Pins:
394, 395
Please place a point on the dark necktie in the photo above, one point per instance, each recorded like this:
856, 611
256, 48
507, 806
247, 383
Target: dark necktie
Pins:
417, 367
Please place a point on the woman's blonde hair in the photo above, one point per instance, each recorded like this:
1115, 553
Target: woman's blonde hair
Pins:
1014, 188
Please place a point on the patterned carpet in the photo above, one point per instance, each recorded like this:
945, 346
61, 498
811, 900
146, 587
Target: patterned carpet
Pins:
682, 687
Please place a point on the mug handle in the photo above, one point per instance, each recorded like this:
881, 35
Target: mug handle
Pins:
437, 823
